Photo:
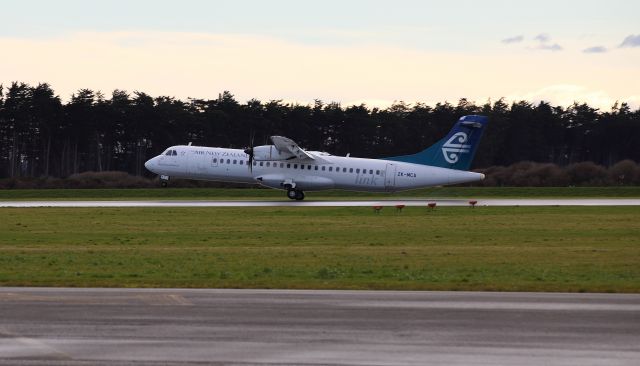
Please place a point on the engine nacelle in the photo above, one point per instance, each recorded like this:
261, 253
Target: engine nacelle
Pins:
305, 183
269, 152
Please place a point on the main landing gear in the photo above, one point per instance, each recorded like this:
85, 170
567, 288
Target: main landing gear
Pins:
295, 194
292, 192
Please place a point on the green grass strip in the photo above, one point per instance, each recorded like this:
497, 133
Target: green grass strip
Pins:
569, 249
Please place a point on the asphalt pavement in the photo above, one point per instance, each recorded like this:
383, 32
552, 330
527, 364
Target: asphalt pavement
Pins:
77, 326
338, 203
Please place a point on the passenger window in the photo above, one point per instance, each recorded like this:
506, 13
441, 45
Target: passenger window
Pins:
344, 170
350, 170
268, 164
323, 168
255, 163
358, 171
337, 169
301, 166
281, 165
308, 167
261, 163
241, 162
215, 160
288, 166
295, 166
371, 171
316, 168
377, 172
330, 168
235, 161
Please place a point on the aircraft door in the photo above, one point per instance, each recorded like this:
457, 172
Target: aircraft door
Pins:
390, 177
191, 162
198, 165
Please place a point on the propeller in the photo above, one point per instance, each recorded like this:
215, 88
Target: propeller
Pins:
249, 151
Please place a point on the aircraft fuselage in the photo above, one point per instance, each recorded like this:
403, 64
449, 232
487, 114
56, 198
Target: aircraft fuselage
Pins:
325, 172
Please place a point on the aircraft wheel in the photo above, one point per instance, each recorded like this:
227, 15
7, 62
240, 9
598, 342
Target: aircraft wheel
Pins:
292, 194
299, 195
164, 181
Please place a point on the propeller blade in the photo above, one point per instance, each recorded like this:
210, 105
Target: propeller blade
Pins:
249, 151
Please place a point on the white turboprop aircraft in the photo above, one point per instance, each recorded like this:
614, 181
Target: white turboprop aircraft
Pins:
284, 165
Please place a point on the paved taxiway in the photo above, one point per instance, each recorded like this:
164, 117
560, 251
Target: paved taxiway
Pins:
311, 203
252, 327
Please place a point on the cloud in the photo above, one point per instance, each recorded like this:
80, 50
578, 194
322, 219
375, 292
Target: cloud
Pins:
200, 65
631, 41
595, 49
516, 39
542, 37
550, 47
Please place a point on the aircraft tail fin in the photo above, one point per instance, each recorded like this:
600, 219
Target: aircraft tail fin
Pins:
456, 150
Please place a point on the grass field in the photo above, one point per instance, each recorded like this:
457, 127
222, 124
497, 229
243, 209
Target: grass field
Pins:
594, 249
258, 193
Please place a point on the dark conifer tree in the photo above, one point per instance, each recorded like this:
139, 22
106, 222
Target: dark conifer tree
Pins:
41, 136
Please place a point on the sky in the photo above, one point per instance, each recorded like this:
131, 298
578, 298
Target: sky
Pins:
351, 52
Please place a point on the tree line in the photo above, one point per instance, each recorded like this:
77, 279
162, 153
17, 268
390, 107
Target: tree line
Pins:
40, 136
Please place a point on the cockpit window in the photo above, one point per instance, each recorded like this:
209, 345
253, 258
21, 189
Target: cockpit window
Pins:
174, 153
171, 152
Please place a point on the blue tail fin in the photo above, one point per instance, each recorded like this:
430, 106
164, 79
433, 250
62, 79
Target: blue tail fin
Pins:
456, 150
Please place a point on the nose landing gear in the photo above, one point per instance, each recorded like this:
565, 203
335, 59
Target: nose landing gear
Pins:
164, 181
295, 194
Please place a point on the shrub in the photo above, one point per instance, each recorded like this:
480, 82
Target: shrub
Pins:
547, 175
529, 174
110, 179
624, 172
494, 177
587, 174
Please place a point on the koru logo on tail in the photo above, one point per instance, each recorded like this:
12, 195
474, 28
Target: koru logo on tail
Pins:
455, 146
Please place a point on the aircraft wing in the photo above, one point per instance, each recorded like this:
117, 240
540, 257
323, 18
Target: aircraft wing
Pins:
285, 144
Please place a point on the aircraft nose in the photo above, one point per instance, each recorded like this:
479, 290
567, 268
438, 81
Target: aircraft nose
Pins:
150, 164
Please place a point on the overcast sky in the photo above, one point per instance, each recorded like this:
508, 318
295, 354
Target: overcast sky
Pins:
371, 52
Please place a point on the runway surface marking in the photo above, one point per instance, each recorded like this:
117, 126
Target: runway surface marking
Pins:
79, 326
118, 299
311, 203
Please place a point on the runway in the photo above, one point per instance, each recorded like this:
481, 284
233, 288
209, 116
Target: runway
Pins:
54, 326
341, 203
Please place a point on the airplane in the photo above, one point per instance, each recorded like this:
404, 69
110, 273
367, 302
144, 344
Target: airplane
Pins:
285, 165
